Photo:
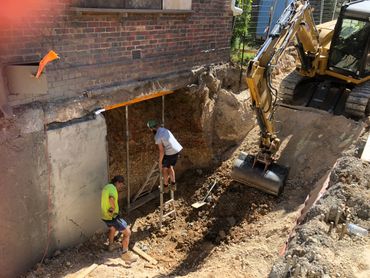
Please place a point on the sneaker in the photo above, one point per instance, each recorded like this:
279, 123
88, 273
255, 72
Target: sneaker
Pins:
128, 257
114, 246
173, 186
166, 188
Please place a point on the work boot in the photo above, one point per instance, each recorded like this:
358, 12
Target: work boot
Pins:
173, 186
113, 246
128, 257
166, 188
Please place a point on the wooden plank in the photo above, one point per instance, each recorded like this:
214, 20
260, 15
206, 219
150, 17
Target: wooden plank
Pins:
366, 153
177, 5
138, 99
141, 253
83, 272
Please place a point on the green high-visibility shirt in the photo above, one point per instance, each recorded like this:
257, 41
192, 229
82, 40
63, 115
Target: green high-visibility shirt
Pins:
108, 191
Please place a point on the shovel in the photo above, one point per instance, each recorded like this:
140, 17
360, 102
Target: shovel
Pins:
203, 202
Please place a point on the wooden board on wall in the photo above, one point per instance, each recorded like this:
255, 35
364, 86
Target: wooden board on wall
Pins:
23, 85
177, 4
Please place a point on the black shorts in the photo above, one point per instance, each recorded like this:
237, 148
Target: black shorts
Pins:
169, 160
117, 223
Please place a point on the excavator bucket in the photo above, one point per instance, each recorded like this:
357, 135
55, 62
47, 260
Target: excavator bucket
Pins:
271, 181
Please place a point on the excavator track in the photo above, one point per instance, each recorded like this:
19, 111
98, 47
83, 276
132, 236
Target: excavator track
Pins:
287, 86
357, 104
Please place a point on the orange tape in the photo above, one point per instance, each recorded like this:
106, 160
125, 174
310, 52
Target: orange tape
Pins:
47, 58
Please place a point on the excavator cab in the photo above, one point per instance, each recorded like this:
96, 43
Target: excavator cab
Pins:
350, 46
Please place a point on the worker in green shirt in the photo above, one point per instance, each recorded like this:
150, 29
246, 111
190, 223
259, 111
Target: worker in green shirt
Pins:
110, 216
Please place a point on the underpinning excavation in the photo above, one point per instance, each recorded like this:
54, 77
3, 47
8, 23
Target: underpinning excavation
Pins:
271, 155
253, 231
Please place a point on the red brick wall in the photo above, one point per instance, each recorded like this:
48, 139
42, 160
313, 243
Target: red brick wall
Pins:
96, 50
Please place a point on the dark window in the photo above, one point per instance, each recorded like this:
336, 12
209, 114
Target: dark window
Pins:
122, 4
347, 50
144, 4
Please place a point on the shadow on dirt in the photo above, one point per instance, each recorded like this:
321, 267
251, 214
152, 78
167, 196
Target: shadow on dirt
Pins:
232, 205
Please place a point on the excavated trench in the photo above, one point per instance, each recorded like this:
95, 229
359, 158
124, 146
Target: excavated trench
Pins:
241, 231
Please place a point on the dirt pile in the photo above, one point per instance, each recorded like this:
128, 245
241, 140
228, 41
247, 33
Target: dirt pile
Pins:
318, 250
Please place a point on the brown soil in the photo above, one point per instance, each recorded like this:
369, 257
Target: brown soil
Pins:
241, 231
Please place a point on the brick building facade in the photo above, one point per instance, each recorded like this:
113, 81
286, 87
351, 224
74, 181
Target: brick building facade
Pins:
103, 48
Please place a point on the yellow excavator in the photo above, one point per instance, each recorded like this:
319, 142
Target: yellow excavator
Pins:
333, 75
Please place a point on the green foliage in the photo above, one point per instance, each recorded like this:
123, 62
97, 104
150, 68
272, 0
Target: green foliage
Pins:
241, 32
241, 23
237, 56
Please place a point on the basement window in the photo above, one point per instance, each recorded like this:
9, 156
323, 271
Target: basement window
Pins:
132, 6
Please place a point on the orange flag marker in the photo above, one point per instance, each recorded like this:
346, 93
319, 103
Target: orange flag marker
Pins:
51, 56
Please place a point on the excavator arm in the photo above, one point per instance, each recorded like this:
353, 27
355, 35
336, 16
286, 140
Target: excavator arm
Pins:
296, 23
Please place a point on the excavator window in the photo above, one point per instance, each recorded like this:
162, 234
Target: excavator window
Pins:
348, 48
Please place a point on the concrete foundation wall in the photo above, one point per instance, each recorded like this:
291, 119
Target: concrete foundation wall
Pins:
78, 170
23, 193
78, 157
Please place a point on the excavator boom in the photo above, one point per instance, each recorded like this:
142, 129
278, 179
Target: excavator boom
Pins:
296, 23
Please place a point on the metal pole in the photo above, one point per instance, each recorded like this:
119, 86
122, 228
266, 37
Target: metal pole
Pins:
335, 9
322, 10
160, 198
242, 60
161, 178
163, 110
271, 25
127, 161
